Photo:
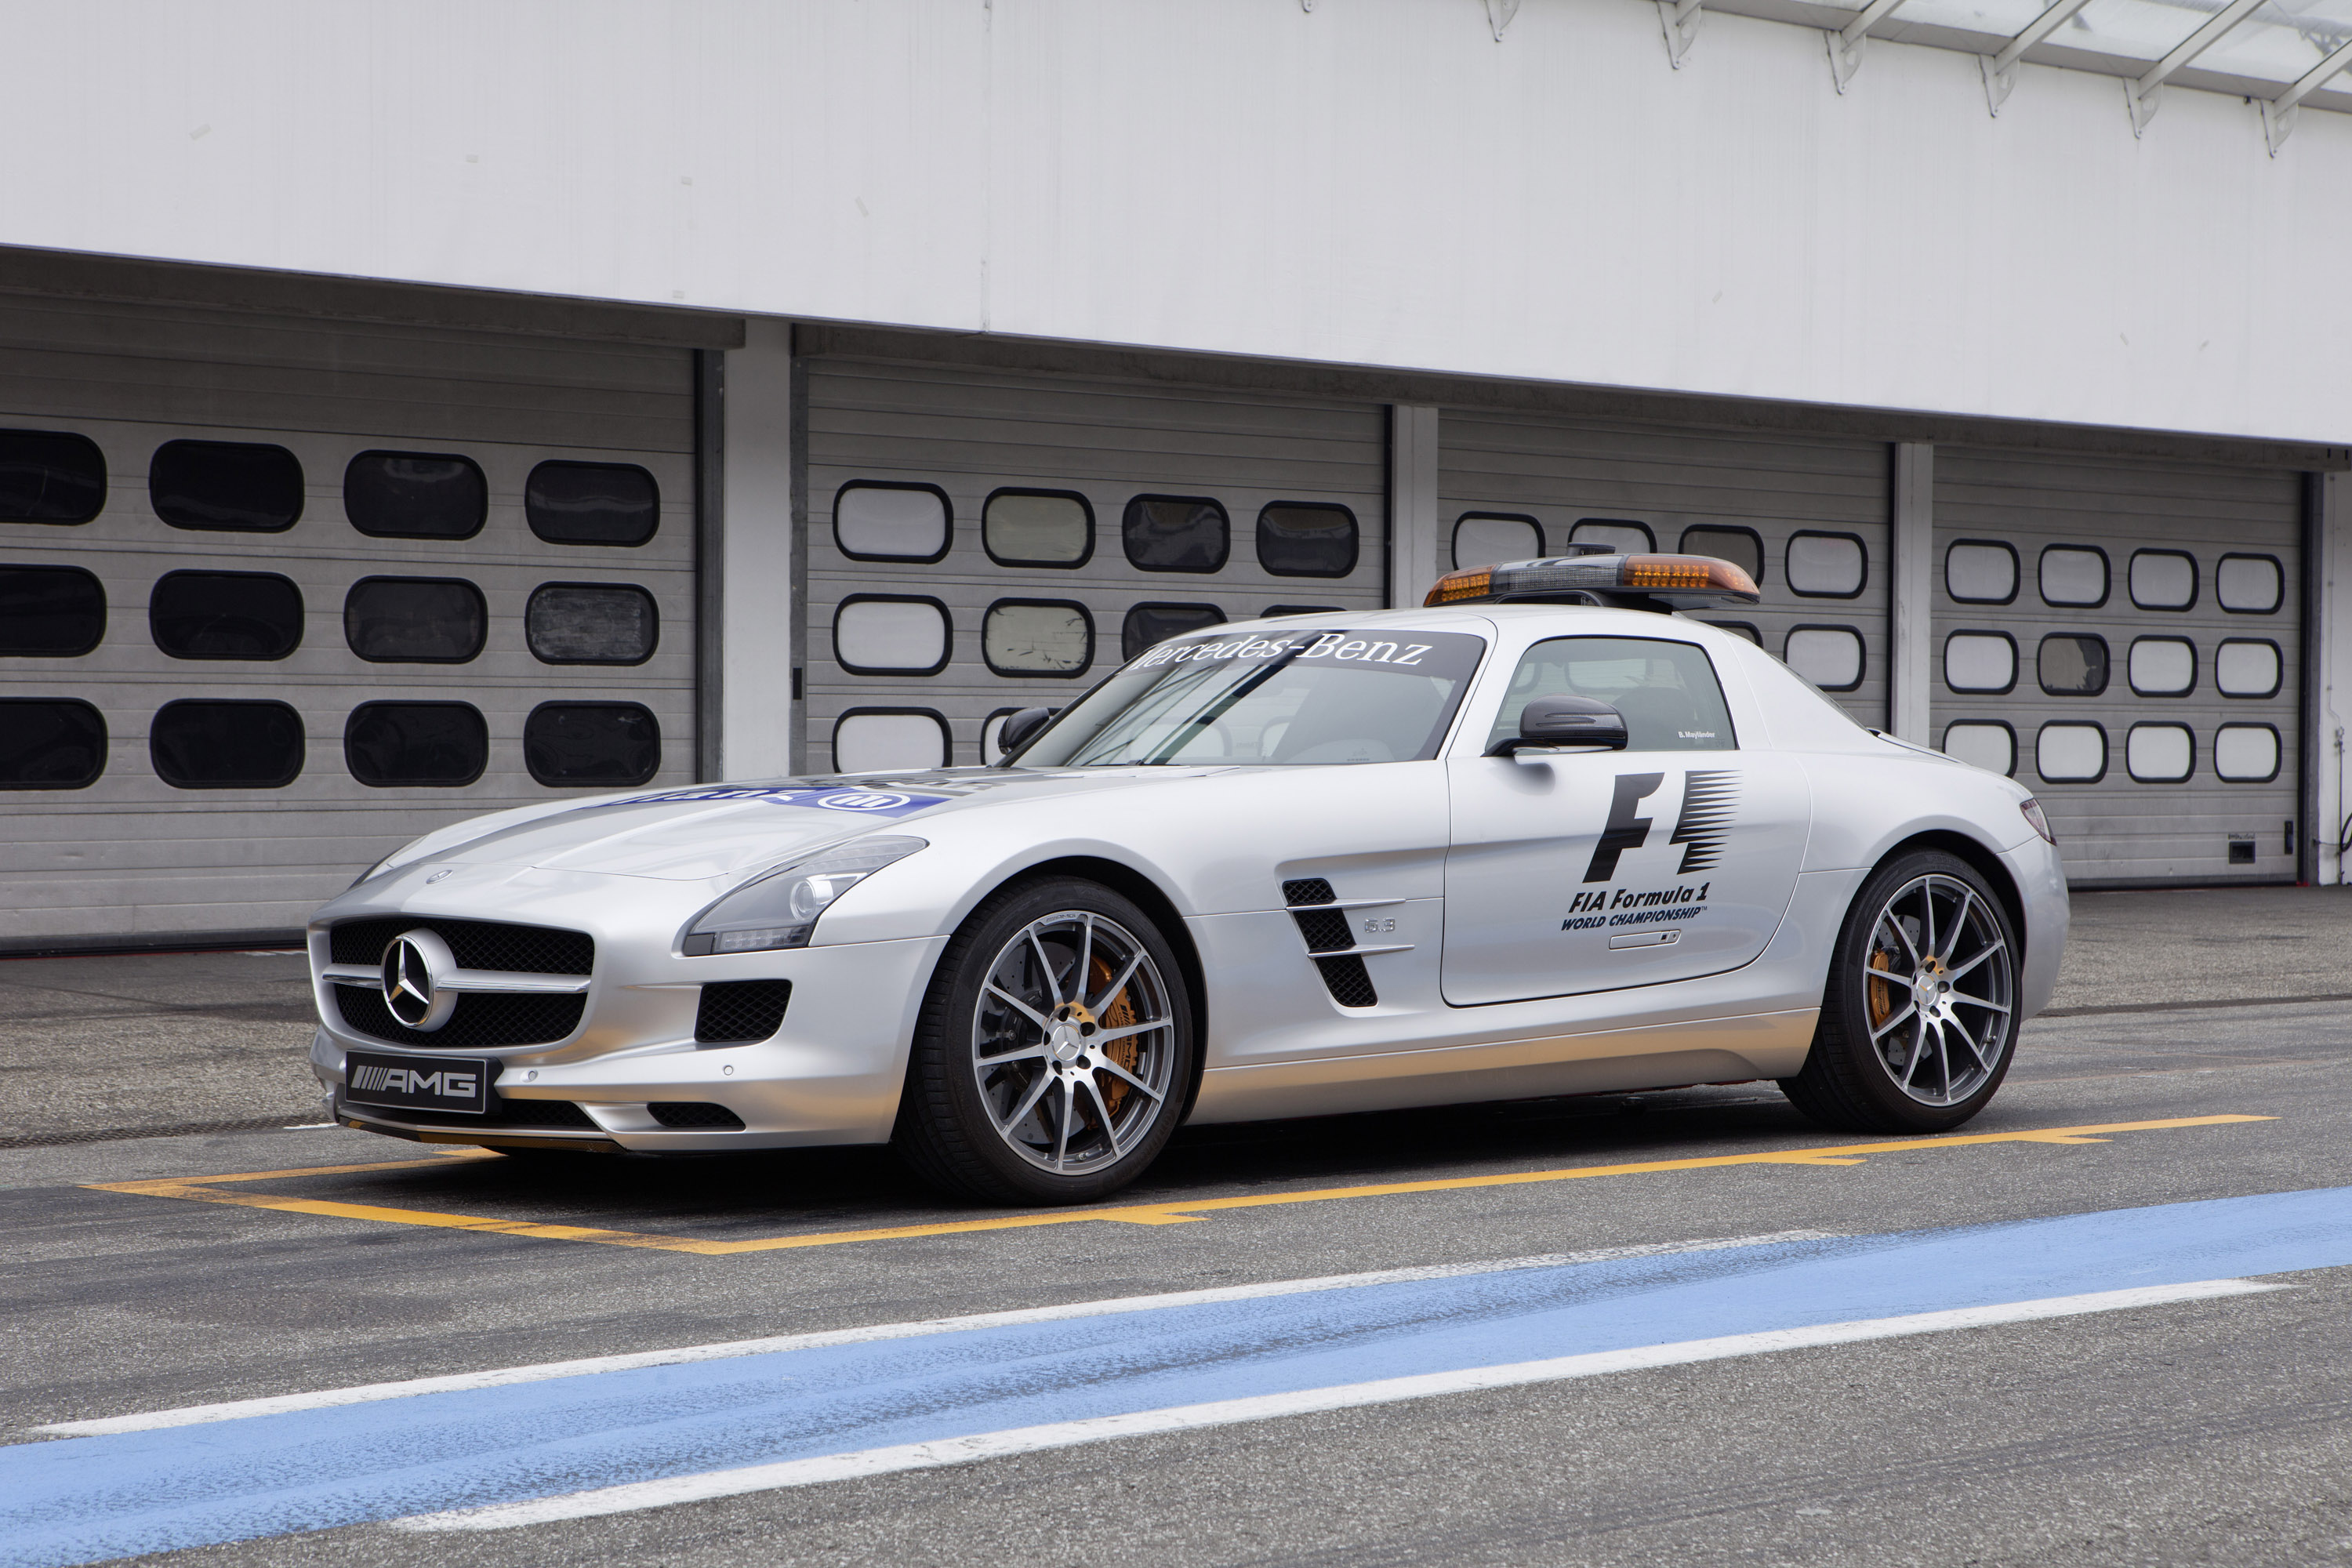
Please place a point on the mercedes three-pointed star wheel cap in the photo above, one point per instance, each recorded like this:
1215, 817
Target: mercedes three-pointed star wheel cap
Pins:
1677, 581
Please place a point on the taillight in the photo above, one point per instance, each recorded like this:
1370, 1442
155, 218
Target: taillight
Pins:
2041, 824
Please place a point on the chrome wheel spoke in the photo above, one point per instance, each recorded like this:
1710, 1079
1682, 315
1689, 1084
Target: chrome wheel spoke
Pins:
1888, 922
1960, 927
1046, 963
1102, 1108
1062, 1136
1111, 993
1107, 1035
1029, 1103
1085, 953
1024, 1009
1959, 1000
1958, 969
1910, 1010
1026, 1053
1109, 1066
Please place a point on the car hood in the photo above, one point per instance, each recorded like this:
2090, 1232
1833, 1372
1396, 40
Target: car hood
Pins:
703, 831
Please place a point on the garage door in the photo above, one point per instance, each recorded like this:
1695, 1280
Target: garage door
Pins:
277, 597
1806, 517
979, 543
2125, 638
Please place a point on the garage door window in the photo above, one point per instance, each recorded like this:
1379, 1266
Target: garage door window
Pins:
2160, 754
1176, 533
414, 620
433, 744
2163, 666
2074, 575
2248, 585
2163, 580
1982, 743
877, 520
1148, 626
1296, 540
239, 487
1484, 538
197, 745
1980, 572
50, 611
1826, 565
225, 615
591, 622
890, 633
1981, 661
2074, 666
1829, 656
1037, 637
1621, 535
2071, 754
1037, 528
1744, 547
2248, 667
610, 744
415, 494
592, 503
50, 476
48, 743
2246, 754
888, 739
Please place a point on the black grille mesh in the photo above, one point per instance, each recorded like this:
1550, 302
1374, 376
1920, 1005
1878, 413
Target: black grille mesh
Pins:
1306, 891
694, 1113
481, 1018
734, 1012
509, 1113
1326, 931
1350, 985
475, 944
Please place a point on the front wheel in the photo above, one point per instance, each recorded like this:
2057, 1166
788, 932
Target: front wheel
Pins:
1919, 1017
1054, 1052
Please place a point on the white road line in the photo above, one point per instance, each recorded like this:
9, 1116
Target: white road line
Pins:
1227, 1412
362, 1393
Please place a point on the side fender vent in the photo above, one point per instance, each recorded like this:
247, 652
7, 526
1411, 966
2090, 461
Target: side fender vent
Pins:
1350, 985
1308, 890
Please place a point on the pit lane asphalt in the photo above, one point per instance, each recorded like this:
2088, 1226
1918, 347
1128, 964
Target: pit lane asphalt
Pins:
2205, 1432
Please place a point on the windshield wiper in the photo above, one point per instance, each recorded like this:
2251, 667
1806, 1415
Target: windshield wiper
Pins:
1241, 689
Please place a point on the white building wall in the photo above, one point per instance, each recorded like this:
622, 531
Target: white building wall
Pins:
1375, 182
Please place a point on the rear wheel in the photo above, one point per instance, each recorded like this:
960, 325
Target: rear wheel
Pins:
1919, 1018
1053, 1051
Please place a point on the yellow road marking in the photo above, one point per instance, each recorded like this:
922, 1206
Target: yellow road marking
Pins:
205, 1189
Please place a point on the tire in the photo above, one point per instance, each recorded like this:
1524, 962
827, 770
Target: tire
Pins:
1025, 1087
1918, 1026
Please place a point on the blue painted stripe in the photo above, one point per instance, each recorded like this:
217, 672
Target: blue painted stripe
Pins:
81, 1499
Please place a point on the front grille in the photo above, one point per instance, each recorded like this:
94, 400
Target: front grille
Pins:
694, 1113
475, 944
1306, 891
1326, 931
737, 1012
1350, 985
481, 1018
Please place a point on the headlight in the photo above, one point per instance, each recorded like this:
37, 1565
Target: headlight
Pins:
780, 909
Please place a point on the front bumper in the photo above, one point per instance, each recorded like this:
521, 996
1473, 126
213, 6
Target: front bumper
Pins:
831, 1074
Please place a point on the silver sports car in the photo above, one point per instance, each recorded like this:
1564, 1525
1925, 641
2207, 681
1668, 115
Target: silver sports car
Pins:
1545, 835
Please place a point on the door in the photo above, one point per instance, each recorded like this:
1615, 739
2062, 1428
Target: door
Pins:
1583, 871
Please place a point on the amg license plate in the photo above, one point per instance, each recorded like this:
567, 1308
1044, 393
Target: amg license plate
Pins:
417, 1083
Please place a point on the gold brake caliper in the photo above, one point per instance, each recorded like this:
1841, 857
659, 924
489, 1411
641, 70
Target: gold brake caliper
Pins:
1880, 992
1118, 1013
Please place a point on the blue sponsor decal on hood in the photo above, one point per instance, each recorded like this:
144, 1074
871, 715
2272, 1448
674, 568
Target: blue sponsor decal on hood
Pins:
861, 802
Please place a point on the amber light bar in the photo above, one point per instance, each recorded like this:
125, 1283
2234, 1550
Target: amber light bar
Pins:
1673, 579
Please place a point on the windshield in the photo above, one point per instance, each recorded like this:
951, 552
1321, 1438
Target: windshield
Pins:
1303, 697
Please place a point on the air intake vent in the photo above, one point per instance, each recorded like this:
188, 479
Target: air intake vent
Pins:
1306, 891
483, 1018
1326, 931
1350, 985
475, 944
694, 1113
737, 1012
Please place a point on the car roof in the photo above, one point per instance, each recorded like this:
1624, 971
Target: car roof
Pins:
1484, 617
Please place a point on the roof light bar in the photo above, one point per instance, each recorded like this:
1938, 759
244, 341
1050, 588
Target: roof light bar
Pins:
1677, 581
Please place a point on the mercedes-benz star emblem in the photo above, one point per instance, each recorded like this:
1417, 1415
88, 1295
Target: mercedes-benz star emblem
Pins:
413, 969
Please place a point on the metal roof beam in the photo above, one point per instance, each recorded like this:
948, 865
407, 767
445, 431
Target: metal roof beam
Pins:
2278, 114
2141, 97
1846, 45
2000, 69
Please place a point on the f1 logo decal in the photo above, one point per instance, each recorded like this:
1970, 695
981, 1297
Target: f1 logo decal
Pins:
1625, 831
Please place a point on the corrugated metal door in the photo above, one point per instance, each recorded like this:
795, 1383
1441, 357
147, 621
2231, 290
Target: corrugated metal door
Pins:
495, 641
979, 542
1806, 515
2124, 637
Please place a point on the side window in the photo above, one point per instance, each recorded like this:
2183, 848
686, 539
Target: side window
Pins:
1667, 690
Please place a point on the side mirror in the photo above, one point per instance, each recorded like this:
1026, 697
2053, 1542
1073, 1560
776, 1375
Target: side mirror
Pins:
1552, 722
1019, 729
